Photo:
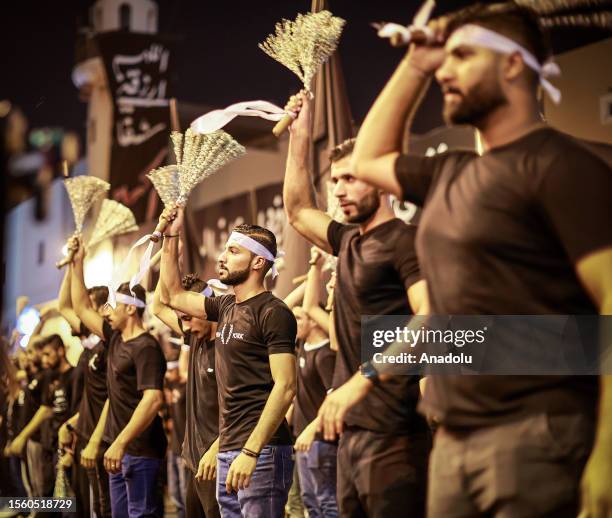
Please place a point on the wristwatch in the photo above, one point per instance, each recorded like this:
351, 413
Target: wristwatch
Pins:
369, 372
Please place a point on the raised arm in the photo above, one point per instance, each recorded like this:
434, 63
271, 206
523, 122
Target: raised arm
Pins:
312, 295
298, 190
379, 141
65, 301
162, 311
295, 297
282, 367
188, 302
80, 299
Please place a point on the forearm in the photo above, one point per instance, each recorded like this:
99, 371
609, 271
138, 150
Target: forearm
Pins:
272, 416
41, 415
184, 362
383, 128
298, 189
78, 289
96, 436
312, 293
169, 270
142, 417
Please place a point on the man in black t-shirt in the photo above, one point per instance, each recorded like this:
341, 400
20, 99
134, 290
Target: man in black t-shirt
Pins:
255, 364
200, 445
135, 377
54, 387
377, 274
87, 466
523, 229
315, 458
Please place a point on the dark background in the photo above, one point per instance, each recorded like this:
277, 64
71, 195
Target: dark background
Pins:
217, 61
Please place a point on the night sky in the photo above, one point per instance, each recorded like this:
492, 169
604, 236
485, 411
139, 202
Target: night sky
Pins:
217, 61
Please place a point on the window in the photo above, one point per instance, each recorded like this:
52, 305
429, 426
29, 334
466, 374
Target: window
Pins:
125, 17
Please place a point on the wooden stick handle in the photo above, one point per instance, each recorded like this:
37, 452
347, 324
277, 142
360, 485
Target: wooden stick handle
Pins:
282, 125
68, 259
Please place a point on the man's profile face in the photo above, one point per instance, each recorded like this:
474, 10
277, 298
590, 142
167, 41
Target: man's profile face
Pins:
234, 264
50, 357
358, 200
304, 324
196, 326
471, 85
117, 318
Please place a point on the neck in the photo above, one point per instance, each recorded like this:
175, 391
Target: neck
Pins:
250, 288
316, 336
132, 329
64, 366
382, 215
509, 123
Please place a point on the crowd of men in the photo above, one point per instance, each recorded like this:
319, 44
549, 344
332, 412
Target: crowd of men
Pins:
274, 397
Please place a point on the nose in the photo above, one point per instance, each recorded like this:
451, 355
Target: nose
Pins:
339, 190
444, 73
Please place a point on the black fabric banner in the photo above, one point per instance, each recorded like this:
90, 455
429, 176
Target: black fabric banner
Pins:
138, 72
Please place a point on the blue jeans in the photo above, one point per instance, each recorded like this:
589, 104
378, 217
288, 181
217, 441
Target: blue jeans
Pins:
135, 491
177, 487
317, 471
267, 493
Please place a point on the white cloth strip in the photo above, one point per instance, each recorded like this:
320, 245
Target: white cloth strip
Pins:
172, 365
130, 300
471, 34
217, 119
419, 23
256, 248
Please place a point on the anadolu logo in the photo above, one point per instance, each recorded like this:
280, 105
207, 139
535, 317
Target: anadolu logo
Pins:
230, 334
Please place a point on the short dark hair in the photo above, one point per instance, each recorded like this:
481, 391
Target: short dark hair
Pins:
191, 282
99, 294
342, 150
519, 23
139, 292
53, 340
263, 236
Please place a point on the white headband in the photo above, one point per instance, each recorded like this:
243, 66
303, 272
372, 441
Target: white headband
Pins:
172, 365
471, 34
124, 299
256, 248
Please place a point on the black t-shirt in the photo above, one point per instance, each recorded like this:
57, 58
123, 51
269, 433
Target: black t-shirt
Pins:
57, 394
133, 367
248, 332
93, 362
202, 423
314, 378
374, 272
500, 235
177, 414
32, 399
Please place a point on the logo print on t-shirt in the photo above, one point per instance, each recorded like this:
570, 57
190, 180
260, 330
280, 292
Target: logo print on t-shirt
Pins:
93, 362
225, 339
302, 362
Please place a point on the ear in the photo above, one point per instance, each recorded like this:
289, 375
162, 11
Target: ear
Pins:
131, 310
513, 66
258, 262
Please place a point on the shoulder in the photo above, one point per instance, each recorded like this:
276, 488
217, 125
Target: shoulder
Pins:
272, 306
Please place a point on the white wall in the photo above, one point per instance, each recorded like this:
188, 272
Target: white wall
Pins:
24, 235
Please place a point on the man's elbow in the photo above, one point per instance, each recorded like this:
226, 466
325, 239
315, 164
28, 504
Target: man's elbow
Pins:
289, 388
155, 400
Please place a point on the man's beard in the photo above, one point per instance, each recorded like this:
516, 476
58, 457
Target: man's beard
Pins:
476, 104
366, 208
237, 277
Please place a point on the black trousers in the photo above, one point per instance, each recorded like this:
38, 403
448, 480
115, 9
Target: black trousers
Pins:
80, 483
201, 501
530, 467
382, 475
